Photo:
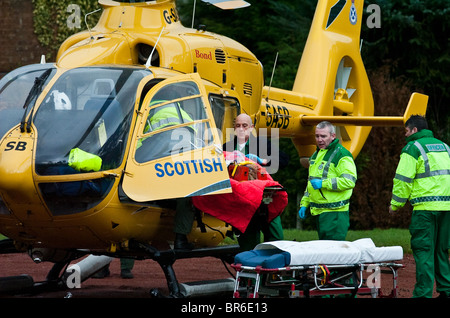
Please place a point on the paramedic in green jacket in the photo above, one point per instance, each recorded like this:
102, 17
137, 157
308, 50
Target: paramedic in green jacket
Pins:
332, 177
423, 178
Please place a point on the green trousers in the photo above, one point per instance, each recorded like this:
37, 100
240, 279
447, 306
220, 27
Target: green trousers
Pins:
272, 231
333, 225
126, 263
430, 243
184, 216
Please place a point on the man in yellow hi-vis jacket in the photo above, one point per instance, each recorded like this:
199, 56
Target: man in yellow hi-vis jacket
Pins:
332, 177
423, 178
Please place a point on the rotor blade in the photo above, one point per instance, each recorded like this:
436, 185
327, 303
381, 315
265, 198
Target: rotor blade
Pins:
338, 83
342, 76
228, 4
350, 92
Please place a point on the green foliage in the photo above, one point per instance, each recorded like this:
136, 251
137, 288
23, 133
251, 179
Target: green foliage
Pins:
379, 158
414, 41
54, 21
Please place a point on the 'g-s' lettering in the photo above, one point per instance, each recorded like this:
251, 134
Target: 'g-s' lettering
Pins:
172, 16
19, 146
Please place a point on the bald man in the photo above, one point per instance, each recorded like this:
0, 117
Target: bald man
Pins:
245, 142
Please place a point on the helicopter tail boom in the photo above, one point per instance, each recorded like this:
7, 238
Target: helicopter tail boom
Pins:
417, 106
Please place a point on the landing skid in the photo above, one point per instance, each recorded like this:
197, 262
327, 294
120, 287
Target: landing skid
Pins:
24, 284
167, 258
55, 281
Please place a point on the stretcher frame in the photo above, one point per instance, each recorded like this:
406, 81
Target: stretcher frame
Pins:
314, 280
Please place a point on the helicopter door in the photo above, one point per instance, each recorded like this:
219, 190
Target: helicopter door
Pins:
176, 150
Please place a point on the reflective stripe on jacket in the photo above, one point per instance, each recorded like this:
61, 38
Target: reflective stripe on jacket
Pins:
168, 115
423, 174
335, 166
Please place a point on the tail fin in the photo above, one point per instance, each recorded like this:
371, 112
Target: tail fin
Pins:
417, 106
332, 71
331, 68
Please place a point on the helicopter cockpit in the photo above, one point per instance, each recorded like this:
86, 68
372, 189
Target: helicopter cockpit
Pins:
82, 126
79, 122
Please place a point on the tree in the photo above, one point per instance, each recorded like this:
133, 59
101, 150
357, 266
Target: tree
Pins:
414, 41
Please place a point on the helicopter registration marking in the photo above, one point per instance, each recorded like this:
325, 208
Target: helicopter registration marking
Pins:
19, 146
188, 167
170, 17
277, 116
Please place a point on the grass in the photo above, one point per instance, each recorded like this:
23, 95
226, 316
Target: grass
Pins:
388, 237
381, 237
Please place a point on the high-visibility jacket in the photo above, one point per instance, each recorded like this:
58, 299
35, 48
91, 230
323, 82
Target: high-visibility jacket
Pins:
84, 161
335, 166
423, 174
168, 115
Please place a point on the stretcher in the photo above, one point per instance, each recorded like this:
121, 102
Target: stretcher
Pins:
316, 268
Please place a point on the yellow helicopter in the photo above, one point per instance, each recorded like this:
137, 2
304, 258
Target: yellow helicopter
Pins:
81, 169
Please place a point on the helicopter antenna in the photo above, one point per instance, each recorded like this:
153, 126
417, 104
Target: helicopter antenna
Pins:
193, 14
271, 78
149, 60
85, 21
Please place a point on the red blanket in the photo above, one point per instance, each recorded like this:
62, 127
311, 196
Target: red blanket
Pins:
238, 208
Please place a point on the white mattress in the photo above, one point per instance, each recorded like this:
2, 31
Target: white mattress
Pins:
335, 252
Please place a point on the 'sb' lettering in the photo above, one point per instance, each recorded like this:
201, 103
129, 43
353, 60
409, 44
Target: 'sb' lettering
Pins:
19, 146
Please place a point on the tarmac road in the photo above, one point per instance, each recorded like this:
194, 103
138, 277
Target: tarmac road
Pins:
148, 275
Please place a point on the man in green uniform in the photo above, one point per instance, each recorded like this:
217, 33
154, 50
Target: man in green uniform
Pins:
423, 178
257, 149
332, 177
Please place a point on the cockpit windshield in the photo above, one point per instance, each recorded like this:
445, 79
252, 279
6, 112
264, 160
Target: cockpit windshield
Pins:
84, 120
16, 92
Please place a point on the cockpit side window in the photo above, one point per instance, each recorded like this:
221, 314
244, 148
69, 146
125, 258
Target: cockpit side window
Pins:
224, 110
176, 123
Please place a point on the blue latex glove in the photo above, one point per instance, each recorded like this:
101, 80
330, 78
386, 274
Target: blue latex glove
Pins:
302, 212
255, 158
316, 183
